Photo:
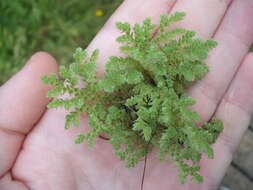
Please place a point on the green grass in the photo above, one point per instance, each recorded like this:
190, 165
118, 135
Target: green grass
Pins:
56, 26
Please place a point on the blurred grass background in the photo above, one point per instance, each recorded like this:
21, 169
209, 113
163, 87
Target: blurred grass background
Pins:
56, 26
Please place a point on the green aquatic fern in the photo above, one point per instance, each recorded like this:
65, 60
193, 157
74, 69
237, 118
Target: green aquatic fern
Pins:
141, 103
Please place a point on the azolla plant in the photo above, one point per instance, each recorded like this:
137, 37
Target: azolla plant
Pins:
141, 103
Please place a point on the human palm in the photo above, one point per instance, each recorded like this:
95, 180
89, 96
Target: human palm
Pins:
36, 152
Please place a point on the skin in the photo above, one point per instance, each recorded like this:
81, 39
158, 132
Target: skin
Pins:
36, 153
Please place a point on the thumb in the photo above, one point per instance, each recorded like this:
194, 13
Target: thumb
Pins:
22, 103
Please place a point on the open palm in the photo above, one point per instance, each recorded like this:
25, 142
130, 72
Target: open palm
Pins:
37, 153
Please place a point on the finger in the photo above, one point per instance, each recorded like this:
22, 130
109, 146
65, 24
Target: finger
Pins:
235, 111
22, 103
234, 37
202, 16
131, 11
7, 183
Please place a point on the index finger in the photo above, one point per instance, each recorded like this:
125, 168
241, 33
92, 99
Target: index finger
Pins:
22, 102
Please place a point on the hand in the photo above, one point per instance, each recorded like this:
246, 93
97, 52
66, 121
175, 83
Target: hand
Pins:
37, 153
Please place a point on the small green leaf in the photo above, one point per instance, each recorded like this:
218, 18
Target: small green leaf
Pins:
55, 92
198, 179
124, 27
52, 79
147, 131
190, 115
134, 77
80, 55
80, 138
